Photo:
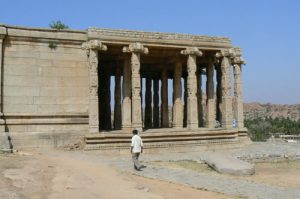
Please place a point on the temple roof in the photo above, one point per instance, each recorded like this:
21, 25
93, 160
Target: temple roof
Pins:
157, 38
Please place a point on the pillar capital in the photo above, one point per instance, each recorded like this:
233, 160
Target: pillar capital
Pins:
192, 51
237, 57
135, 48
238, 60
229, 52
93, 45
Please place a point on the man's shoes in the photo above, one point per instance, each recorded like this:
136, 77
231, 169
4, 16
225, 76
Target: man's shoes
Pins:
143, 166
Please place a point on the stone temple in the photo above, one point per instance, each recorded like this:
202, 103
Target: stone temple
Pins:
59, 86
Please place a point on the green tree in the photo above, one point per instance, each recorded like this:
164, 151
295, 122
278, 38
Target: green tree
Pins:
58, 25
260, 129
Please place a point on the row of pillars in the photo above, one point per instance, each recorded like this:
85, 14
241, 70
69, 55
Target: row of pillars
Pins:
131, 107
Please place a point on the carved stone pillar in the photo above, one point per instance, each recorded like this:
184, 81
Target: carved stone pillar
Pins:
126, 104
238, 87
210, 96
185, 94
117, 109
219, 93
155, 103
148, 107
92, 47
136, 49
226, 103
192, 108
177, 105
164, 99
199, 98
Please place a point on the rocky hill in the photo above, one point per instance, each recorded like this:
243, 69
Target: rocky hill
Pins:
252, 110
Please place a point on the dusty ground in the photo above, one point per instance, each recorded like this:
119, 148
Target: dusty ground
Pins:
48, 175
59, 174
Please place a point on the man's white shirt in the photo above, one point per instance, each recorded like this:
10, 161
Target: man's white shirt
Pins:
136, 143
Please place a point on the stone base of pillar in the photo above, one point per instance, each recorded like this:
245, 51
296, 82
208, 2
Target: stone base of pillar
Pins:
177, 115
126, 129
226, 112
94, 129
138, 127
192, 113
227, 124
192, 125
210, 117
126, 114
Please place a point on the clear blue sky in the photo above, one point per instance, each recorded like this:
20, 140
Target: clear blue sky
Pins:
267, 30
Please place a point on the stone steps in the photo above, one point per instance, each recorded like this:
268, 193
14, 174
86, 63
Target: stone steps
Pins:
161, 138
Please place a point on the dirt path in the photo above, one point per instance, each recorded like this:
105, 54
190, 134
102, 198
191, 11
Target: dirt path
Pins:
46, 175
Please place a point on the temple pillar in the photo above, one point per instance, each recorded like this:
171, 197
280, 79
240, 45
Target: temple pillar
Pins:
199, 98
117, 109
177, 105
218, 93
92, 47
210, 96
126, 104
164, 99
192, 107
185, 102
107, 106
155, 103
136, 49
238, 88
226, 103
148, 105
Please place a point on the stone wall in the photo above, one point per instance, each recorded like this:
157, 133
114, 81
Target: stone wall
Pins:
45, 84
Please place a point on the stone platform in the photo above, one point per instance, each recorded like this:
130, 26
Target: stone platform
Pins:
164, 139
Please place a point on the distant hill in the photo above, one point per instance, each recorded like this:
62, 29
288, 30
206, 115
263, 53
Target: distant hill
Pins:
254, 110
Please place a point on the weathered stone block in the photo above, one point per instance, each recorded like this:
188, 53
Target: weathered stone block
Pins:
18, 100
227, 164
19, 80
61, 100
61, 108
21, 91
19, 61
64, 91
26, 70
19, 108
64, 72
63, 81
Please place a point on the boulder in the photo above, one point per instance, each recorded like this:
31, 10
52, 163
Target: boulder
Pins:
224, 163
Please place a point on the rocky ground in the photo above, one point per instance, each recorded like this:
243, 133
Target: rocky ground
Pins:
91, 174
254, 110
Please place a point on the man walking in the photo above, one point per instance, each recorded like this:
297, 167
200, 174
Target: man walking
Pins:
136, 149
